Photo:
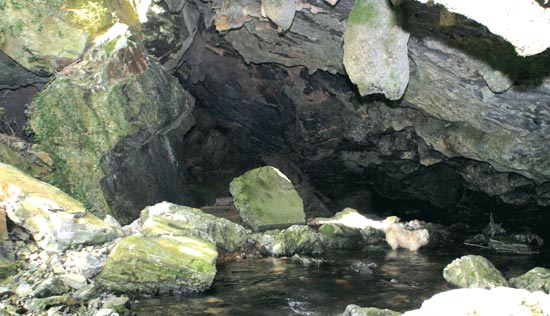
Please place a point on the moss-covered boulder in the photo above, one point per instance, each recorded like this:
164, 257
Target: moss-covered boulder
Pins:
56, 220
266, 199
107, 121
354, 310
157, 265
473, 271
375, 49
298, 239
337, 236
176, 220
536, 279
44, 36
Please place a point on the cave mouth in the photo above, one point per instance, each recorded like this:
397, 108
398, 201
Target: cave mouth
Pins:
251, 105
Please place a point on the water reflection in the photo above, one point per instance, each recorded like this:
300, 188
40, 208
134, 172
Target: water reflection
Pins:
401, 281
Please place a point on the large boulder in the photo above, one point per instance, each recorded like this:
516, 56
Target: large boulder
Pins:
107, 122
298, 239
56, 220
483, 302
176, 220
157, 265
354, 310
375, 49
266, 199
536, 279
473, 271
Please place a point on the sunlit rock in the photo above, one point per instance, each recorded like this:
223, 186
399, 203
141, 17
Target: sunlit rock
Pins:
176, 220
483, 302
536, 279
265, 198
158, 265
375, 50
524, 24
56, 220
473, 271
48, 35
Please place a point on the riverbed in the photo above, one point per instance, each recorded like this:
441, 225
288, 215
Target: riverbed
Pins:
400, 280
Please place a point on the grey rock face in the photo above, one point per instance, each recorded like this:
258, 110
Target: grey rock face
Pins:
536, 279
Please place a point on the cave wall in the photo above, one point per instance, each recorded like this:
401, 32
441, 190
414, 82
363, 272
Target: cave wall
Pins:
468, 137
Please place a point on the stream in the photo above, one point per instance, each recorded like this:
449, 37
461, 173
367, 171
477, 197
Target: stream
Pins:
401, 281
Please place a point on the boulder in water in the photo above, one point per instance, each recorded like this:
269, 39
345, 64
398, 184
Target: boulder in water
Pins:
473, 271
158, 265
536, 279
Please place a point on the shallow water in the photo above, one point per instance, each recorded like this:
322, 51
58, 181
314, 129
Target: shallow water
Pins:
278, 286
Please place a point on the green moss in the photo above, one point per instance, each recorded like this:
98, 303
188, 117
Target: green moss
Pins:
147, 264
266, 199
364, 12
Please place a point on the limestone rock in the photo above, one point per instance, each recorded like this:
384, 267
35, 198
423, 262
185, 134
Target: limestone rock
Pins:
43, 38
109, 118
536, 279
473, 271
296, 239
164, 264
375, 50
265, 198
354, 310
281, 12
483, 302
175, 220
56, 220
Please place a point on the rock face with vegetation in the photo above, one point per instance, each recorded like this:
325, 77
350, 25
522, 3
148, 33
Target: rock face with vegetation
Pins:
536, 279
375, 49
106, 119
159, 265
485, 302
56, 220
166, 219
265, 199
473, 271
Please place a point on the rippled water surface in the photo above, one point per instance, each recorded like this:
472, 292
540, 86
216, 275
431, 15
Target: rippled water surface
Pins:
279, 287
